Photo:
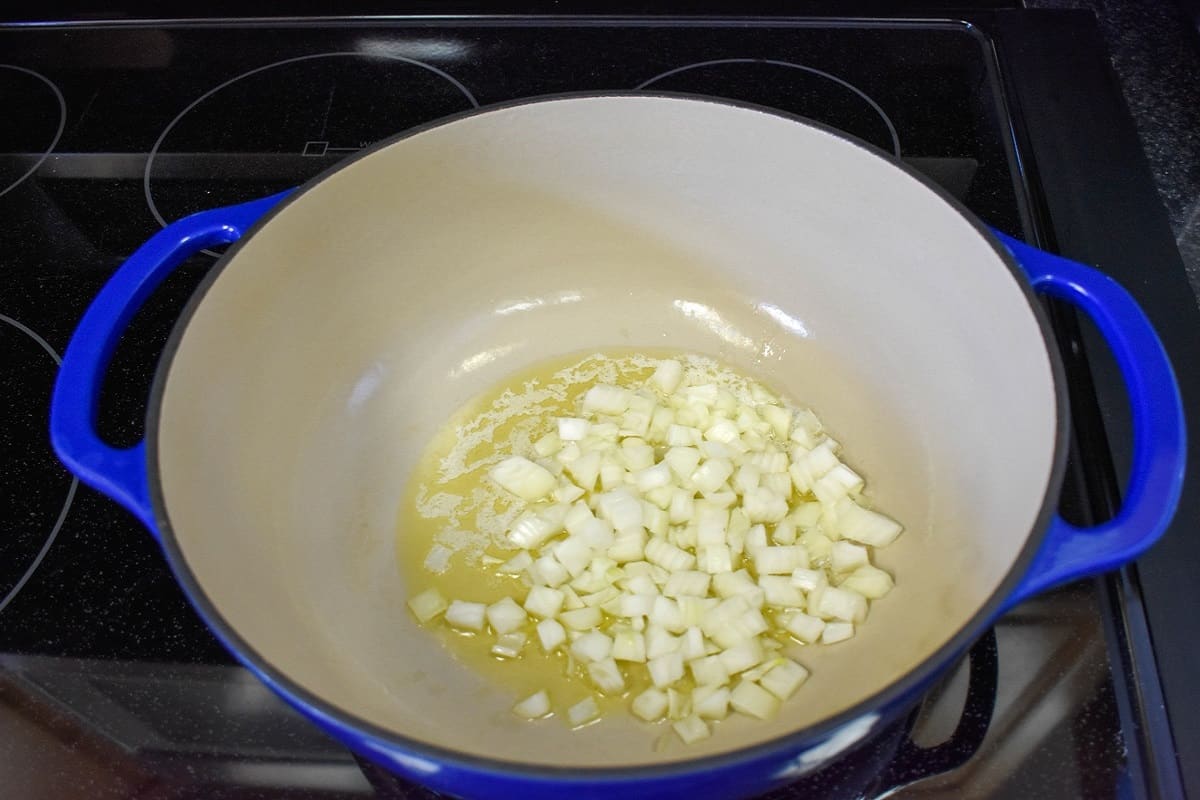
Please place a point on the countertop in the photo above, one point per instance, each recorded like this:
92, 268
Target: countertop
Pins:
1155, 50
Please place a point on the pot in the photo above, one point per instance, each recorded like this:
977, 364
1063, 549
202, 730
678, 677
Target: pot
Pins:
352, 316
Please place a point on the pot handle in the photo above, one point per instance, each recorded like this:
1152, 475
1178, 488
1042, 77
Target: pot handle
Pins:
74, 405
913, 762
1159, 433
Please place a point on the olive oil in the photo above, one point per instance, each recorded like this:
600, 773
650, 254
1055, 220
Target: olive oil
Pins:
452, 520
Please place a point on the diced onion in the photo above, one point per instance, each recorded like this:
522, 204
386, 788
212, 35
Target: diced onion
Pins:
523, 478
672, 529
583, 712
691, 729
427, 605
536, 706
551, 634
650, 705
753, 700
466, 616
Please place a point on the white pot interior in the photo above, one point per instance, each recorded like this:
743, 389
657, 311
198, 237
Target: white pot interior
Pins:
340, 336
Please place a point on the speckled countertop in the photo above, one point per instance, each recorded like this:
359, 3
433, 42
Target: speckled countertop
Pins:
1155, 51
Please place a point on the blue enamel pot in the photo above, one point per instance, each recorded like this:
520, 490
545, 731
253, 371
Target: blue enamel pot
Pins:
350, 317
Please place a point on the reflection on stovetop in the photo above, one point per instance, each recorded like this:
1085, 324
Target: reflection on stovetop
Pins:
105, 672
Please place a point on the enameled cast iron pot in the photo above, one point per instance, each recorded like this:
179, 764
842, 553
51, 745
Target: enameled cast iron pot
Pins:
352, 316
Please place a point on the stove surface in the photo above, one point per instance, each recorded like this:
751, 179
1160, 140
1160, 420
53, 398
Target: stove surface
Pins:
110, 684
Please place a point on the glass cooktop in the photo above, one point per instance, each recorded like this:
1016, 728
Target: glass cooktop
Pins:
107, 677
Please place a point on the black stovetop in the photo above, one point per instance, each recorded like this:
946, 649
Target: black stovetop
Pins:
113, 131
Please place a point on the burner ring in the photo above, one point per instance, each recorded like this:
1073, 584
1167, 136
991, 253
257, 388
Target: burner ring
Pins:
790, 65
62, 514
334, 54
62, 124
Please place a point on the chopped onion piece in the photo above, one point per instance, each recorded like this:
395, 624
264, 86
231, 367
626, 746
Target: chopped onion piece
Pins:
784, 679
682, 461
535, 706
711, 525
753, 700
548, 445
809, 579
427, 605
509, 645
530, 531
779, 418
711, 702
847, 557
779, 591
805, 515
836, 484
547, 571
640, 583
585, 469
662, 496
629, 645
784, 533
780, 483
715, 559
665, 613
687, 582
746, 479
622, 508
668, 556
865, 526
691, 645
650, 705
467, 616
837, 632
567, 492
636, 605
756, 539
708, 670
691, 729
602, 597
581, 619
741, 657
505, 616
542, 601
709, 476
638, 455
606, 399
515, 565
607, 676
871, 582
628, 546
804, 627
819, 546
655, 520
522, 477
780, 560
667, 376
842, 604
693, 609
723, 431
583, 712
551, 634
659, 641
573, 429
653, 477
574, 554
592, 646
683, 435
764, 505
665, 669
679, 704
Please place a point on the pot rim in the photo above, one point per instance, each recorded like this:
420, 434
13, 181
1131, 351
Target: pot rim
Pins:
899, 691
